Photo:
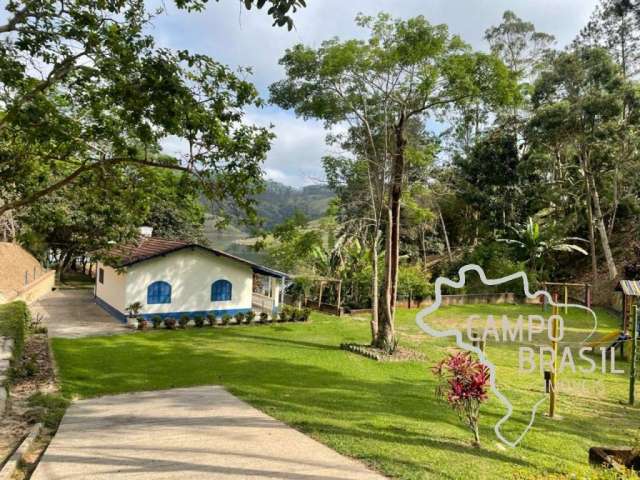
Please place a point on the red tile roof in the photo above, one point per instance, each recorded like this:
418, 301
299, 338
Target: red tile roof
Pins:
150, 247
143, 249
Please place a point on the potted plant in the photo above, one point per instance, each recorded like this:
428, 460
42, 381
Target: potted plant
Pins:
211, 318
133, 311
264, 317
170, 323
142, 323
199, 321
251, 316
184, 321
240, 317
156, 321
226, 318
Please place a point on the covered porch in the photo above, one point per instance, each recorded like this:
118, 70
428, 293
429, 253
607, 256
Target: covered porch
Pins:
267, 293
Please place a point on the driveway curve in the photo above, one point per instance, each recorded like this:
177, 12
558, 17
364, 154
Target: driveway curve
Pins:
73, 314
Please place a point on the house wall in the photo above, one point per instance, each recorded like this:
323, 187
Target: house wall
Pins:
111, 294
190, 273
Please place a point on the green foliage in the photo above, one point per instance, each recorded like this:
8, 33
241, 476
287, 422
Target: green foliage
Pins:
240, 318
251, 316
170, 323
211, 318
264, 317
14, 321
226, 319
110, 97
156, 321
184, 321
47, 408
413, 282
199, 321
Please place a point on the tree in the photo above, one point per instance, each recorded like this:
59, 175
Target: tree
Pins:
519, 45
578, 103
615, 26
83, 88
406, 71
537, 244
108, 207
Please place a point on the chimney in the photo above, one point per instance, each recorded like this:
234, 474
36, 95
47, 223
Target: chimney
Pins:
146, 231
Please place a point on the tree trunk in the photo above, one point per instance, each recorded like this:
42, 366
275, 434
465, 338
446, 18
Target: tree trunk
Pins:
375, 286
444, 233
602, 229
592, 237
386, 333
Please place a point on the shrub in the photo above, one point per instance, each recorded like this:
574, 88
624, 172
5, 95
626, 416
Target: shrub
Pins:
27, 368
47, 409
462, 382
240, 318
251, 316
170, 323
14, 321
306, 313
199, 322
184, 321
226, 319
295, 314
264, 317
211, 318
156, 321
142, 323
285, 313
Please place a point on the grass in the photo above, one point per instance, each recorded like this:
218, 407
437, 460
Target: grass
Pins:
382, 413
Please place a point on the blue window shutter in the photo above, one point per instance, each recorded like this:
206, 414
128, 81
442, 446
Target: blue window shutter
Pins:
220, 291
159, 292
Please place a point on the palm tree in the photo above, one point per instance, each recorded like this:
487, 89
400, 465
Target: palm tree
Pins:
538, 245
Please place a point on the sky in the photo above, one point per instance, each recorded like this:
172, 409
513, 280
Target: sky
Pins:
236, 37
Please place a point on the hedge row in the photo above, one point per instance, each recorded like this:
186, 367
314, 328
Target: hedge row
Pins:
14, 321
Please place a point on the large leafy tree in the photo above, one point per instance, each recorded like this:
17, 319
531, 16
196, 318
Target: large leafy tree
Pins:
83, 88
406, 71
578, 122
107, 206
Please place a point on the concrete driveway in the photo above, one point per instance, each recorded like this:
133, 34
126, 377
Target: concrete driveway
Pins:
189, 433
73, 313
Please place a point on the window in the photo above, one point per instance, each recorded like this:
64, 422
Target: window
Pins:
101, 275
159, 292
220, 291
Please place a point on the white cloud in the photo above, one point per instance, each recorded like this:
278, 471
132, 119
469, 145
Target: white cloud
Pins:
236, 37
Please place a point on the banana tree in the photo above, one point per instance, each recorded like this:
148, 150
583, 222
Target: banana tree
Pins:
538, 246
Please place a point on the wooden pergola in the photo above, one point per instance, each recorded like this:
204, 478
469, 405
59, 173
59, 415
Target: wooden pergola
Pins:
323, 283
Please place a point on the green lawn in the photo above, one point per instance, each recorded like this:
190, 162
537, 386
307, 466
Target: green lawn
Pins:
382, 413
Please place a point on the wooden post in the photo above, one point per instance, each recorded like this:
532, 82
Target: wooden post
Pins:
339, 295
554, 367
634, 357
587, 295
566, 299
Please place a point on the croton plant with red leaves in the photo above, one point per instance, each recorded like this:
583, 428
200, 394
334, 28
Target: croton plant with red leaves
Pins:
463, 383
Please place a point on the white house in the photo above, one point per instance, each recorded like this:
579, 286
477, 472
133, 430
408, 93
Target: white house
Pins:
173, 278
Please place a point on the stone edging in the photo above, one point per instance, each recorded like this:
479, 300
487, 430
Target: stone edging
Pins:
14, 461
6, 354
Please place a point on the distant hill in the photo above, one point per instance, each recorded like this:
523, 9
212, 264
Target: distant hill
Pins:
277, 203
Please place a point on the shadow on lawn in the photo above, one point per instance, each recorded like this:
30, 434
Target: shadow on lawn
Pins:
340, 399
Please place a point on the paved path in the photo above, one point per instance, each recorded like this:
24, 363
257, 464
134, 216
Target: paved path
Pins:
74, 313
185, 434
